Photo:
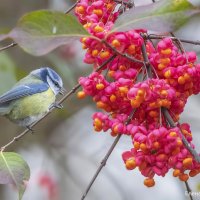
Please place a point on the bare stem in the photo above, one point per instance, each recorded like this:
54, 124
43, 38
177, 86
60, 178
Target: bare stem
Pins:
72, 7
151, 36
185, 142
146, 61
102, 164
72, 91
129, 4
188, 190
122, 54
104, 160
8, 46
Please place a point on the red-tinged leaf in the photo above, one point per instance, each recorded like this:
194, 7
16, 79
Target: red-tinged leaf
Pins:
162, 16
41, 31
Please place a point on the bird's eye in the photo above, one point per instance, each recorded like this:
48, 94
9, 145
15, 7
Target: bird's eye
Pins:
56, 84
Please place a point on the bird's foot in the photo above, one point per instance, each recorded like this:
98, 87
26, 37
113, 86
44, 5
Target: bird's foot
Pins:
56, 105
30, 129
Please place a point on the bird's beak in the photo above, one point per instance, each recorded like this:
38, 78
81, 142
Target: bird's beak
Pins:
62, 91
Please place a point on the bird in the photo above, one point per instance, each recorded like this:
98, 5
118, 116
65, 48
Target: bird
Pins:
32, 97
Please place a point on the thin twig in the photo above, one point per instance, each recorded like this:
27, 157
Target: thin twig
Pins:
8, 46
152, 37
129, 4
188, 190
72, 7
146, 61
104, 160
178, 43
73, 90
102, 164
122, 54
124, 5
185, 142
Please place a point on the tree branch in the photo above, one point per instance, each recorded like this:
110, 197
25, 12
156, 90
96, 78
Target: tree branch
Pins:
73, 90
104, 160
129, 4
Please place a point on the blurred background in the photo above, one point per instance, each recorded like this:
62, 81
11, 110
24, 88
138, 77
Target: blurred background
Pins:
64, 151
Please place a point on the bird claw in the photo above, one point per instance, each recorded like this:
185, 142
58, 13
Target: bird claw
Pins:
57, 105
30, 129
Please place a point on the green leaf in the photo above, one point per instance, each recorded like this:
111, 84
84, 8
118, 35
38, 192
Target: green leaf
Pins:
41, 31
14, 170
7, 72
163, 16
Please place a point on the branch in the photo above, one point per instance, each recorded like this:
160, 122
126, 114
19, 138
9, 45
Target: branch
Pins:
173, 124
185, 142
178, 43
124, 5
188, 190
129, 4
151, 36
72, 7
73, 90
104, 160
146, 61
168, 116
8, 46
122, 54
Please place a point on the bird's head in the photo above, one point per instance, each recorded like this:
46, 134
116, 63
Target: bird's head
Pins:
50, 77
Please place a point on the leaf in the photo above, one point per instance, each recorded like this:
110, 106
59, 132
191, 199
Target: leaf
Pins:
163, 16
41, 31
7, 72
14, 170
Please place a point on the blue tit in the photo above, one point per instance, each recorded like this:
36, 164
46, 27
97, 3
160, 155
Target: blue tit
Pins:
31, 97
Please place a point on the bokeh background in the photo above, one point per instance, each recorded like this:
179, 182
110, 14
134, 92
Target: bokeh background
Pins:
64, 151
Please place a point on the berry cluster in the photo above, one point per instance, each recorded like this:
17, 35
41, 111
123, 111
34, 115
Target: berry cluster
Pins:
126, 86
156, 150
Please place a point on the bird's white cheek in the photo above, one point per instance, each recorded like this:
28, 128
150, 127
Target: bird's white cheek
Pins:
52, 86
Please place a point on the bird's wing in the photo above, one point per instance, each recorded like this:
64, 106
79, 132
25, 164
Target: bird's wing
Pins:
22, 91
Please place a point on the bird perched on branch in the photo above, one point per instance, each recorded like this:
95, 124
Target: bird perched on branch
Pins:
32, 97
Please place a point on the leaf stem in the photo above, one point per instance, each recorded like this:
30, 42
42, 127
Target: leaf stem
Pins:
72, 91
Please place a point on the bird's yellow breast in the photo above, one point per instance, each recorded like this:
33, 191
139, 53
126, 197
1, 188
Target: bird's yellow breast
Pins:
32, 105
